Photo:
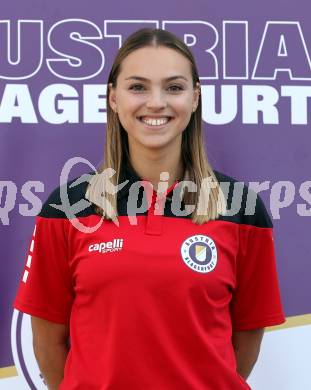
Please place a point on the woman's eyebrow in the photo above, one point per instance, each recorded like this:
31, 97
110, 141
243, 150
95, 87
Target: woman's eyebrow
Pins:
167, 79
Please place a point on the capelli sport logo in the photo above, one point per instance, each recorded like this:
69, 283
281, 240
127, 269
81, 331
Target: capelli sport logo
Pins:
199, 253
110, 246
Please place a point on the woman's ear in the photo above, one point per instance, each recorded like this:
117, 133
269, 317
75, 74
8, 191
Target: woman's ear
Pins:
112, 97
197, 92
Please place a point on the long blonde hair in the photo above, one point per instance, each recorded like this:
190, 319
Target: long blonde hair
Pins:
208, 200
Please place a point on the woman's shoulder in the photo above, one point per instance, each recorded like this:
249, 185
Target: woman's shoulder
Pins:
68, 199
244, 205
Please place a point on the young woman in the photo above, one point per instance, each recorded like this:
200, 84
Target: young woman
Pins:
171, 291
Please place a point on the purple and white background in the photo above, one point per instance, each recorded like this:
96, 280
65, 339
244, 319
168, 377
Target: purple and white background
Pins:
255, 71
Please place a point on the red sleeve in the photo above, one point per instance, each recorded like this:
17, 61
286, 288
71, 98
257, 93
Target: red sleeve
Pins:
256, 299
45, 288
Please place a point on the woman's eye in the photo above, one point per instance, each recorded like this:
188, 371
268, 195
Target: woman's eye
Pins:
136, 87
175, 88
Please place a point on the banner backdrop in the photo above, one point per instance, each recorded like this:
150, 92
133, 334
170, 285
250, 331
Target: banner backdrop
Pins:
255, 71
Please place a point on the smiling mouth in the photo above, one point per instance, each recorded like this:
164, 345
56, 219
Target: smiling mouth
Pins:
154, 122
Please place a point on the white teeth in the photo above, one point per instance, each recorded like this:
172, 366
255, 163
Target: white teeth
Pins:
155, 122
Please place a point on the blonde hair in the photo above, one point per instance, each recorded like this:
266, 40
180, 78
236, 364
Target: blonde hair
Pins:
208, 200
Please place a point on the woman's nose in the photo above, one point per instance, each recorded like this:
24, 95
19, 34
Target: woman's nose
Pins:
156, 99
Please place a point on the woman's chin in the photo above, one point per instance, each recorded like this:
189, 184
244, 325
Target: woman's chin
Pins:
156, 141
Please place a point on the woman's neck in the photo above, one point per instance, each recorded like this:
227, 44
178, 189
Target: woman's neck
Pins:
150, 169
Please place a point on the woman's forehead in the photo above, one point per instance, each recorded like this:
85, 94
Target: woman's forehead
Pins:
155, 61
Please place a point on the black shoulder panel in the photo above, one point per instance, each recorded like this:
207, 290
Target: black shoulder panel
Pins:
68, 201
244, 205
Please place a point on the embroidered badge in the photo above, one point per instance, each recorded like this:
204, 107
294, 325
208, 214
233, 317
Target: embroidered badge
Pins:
199, 253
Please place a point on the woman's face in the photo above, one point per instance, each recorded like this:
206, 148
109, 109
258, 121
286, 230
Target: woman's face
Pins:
154, 97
